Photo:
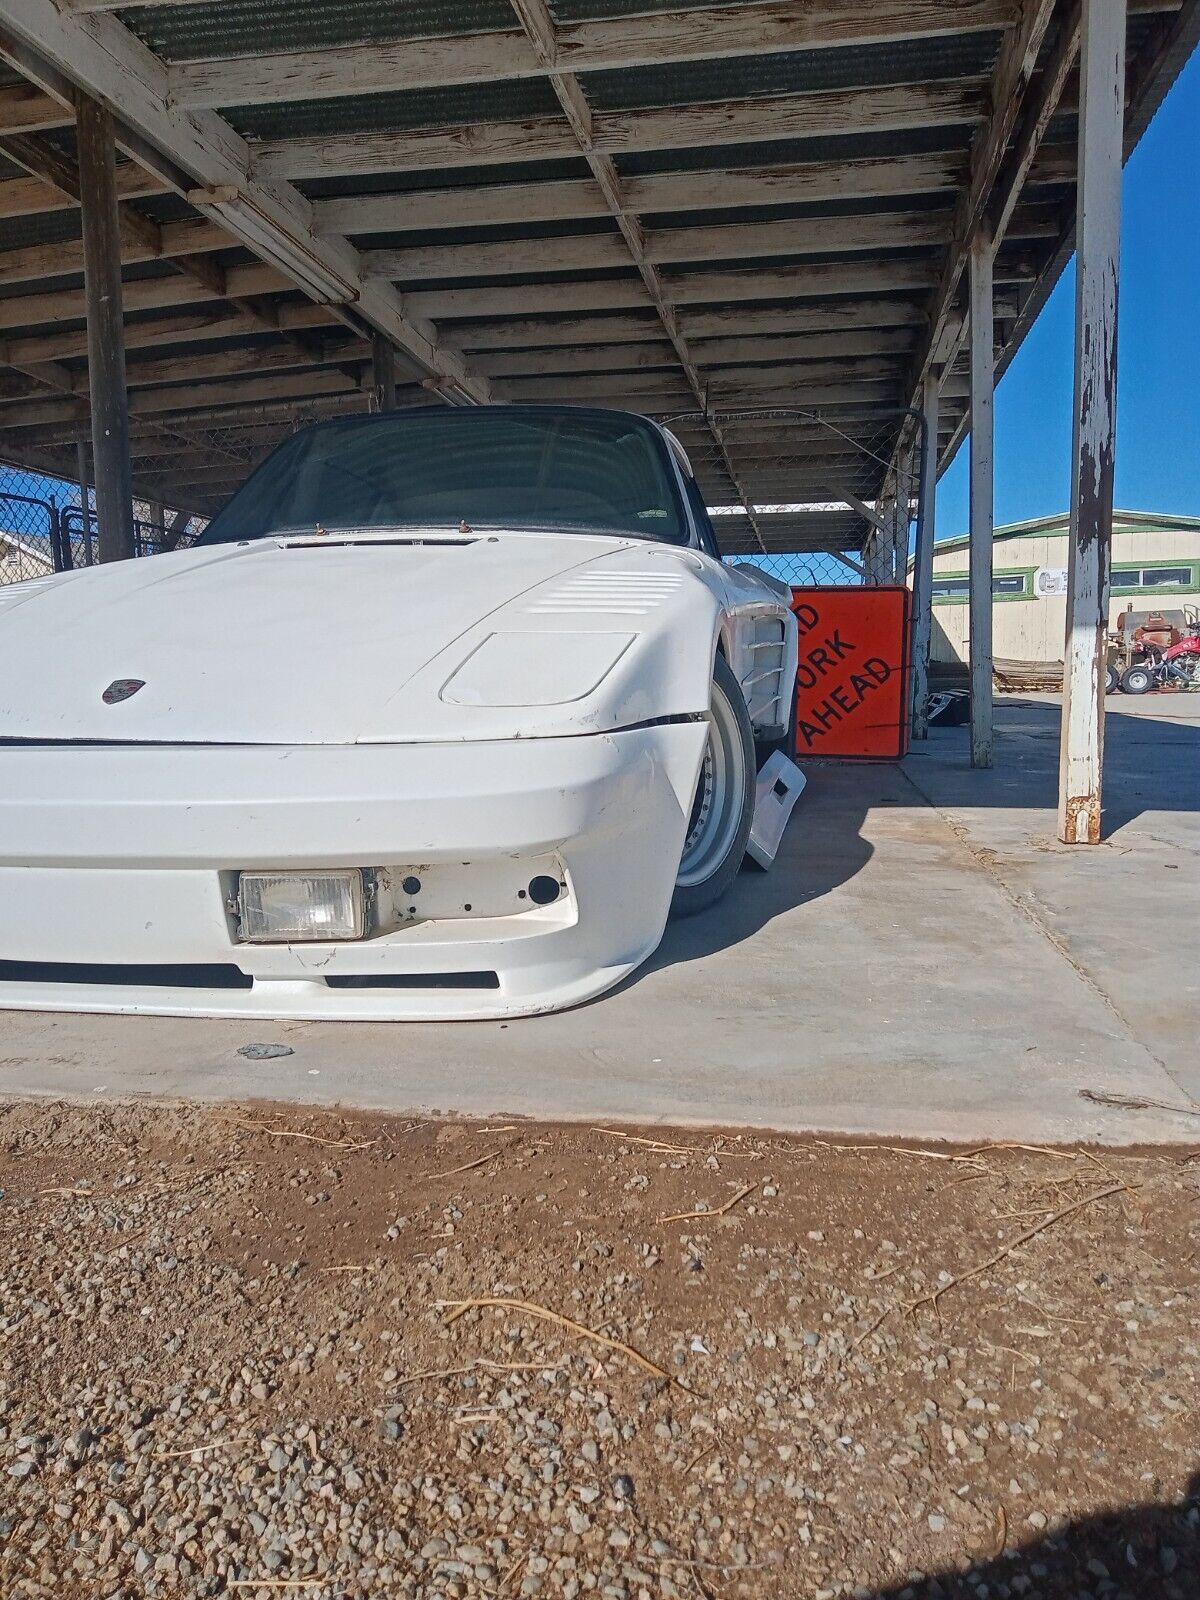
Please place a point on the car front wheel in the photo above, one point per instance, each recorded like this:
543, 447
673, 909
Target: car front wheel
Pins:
723, 808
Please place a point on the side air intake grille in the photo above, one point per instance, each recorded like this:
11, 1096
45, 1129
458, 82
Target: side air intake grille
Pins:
763, 685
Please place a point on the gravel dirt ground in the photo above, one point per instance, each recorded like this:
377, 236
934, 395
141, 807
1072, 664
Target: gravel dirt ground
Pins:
262, 1351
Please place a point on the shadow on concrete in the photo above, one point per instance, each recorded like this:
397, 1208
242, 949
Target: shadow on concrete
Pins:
1138, 1552
1151, 764
822, 849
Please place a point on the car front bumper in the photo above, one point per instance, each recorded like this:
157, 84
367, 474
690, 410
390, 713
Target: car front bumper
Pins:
121, 858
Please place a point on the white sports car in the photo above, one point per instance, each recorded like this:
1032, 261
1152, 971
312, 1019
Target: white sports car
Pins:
443, 716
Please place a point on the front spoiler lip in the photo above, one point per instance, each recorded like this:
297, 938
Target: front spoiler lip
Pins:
314, 1002
130, 872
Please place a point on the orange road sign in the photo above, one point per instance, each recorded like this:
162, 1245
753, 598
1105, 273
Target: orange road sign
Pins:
852, 674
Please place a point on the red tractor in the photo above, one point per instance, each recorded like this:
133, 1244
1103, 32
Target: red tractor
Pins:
1173, 665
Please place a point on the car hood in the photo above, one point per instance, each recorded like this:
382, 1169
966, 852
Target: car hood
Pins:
288, 641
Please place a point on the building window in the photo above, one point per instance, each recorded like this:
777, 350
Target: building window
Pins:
1182, 577
1005, 586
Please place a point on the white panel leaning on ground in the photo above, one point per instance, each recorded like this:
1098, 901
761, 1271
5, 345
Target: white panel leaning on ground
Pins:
444, 716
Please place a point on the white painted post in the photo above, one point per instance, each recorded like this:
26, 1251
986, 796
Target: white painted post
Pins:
980, 564
1098, 246
922, 585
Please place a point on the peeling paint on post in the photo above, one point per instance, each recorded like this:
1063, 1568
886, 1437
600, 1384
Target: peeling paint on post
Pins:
979, 563
1098, 233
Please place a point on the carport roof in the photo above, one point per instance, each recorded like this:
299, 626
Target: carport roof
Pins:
694, 210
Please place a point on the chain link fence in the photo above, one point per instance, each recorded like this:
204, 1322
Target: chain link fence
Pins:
844, 494
45, 526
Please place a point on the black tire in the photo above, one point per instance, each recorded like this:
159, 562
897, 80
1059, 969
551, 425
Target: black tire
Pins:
1112, 679
723, 806
1137, 679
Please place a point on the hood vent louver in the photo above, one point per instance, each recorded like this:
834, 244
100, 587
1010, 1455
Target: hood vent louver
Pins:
604, 592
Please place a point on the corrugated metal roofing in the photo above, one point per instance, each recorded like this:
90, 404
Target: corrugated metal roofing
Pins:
412, 108
504, 280
568, 11
414, 239
251, 27
445, 178
46, 227
964, 56
783, 152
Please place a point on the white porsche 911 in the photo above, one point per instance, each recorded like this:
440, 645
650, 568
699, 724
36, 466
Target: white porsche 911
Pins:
443, 716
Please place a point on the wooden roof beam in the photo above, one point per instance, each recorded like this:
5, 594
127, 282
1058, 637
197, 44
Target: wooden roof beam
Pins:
631, 357
847, 319
28, 197
884, 385
872, 235
67, 305
56, 51
189, 327
714, 188
879, 109
19, 414
24, 109
46, 162
282, 413
767, 27
815, 281
709, 189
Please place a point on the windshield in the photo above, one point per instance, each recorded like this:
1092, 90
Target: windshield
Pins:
487, 466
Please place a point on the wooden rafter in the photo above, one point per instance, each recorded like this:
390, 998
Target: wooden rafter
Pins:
706, 190
59, 52
182, 245
874, 235
886, 109
538, 24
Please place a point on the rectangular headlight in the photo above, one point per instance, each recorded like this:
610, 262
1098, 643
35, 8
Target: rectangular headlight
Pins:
291, 907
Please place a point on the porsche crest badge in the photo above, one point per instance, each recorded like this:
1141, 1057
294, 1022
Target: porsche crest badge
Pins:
121, 689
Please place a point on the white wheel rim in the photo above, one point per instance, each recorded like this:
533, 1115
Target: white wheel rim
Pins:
716, 811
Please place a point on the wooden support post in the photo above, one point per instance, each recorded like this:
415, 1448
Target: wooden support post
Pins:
383, 372
980, 564
106, 329
1098, 245
85, 499
922, 585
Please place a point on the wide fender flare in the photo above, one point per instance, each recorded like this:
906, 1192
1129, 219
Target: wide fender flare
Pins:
667, 671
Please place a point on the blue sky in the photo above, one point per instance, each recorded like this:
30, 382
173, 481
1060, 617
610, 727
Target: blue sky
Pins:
1158, 355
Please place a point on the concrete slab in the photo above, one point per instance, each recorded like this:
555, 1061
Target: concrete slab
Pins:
924, 960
